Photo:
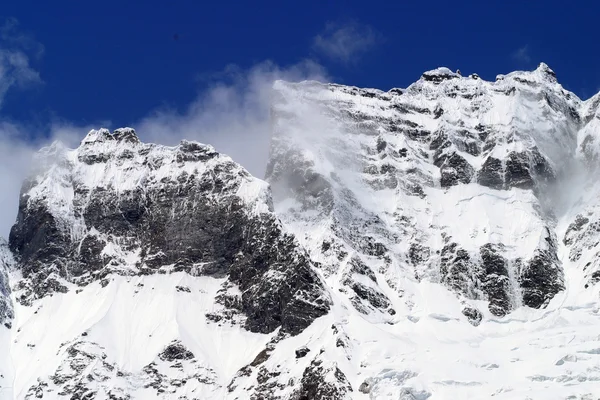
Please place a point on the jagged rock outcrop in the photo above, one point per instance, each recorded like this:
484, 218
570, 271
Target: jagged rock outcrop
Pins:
6, 307
118, 206
321, 382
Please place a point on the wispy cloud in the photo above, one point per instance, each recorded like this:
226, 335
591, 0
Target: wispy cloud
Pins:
345, 42
522, 54
17, 147
15, 152
11, 35
15, 68
15, 158
233, 114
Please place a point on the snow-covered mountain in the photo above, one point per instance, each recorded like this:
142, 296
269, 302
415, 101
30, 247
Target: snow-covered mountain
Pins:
433, 242
446, 181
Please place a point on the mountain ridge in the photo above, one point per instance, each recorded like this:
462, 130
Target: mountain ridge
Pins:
413, 243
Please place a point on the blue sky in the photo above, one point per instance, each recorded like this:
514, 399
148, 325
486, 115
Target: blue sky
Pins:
202, 70
120, 60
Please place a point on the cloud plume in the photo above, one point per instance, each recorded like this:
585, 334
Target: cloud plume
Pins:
15, 68
232, 114
345, 43
522, 54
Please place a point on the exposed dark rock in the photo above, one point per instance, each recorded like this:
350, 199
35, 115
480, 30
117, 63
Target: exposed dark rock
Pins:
373, 296
126, 135
455, 269
313, 386
473, 315
381, 145
439, 143
36, 238
6, 307
370, 294
287, 298
575, 227
418, 253
518, 172
357, 266
495, 279
439, 75
491, 174
182, 221
416, 190
594, 277
541, 279
366, 386
455, 170
302, 351
175, 351
522, 170
261, 358
467, 141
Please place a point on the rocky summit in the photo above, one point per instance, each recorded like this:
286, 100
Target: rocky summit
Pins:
434, 242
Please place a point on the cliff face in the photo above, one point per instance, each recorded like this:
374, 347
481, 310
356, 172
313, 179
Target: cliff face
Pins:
117, 206
447, 180
438, 241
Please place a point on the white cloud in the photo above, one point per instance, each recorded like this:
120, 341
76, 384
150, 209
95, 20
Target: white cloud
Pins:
15, 68
12, 36
232, 114
522, 54
345, 42
16, 154
15, 150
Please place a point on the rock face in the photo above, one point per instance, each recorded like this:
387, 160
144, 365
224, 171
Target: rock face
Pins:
186, 208
412, 244
415, 184
6, 307
313, 386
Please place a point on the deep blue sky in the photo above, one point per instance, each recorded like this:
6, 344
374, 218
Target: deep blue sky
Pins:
119, 60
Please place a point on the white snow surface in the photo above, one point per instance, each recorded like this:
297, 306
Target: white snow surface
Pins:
426, 349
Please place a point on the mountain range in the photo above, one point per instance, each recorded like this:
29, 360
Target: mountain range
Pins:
434, 242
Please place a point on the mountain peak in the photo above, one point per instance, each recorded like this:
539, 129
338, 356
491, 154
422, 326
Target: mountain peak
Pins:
546, 71
103, 135
439, 74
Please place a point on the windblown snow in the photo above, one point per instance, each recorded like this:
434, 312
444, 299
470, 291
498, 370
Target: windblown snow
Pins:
434, 242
